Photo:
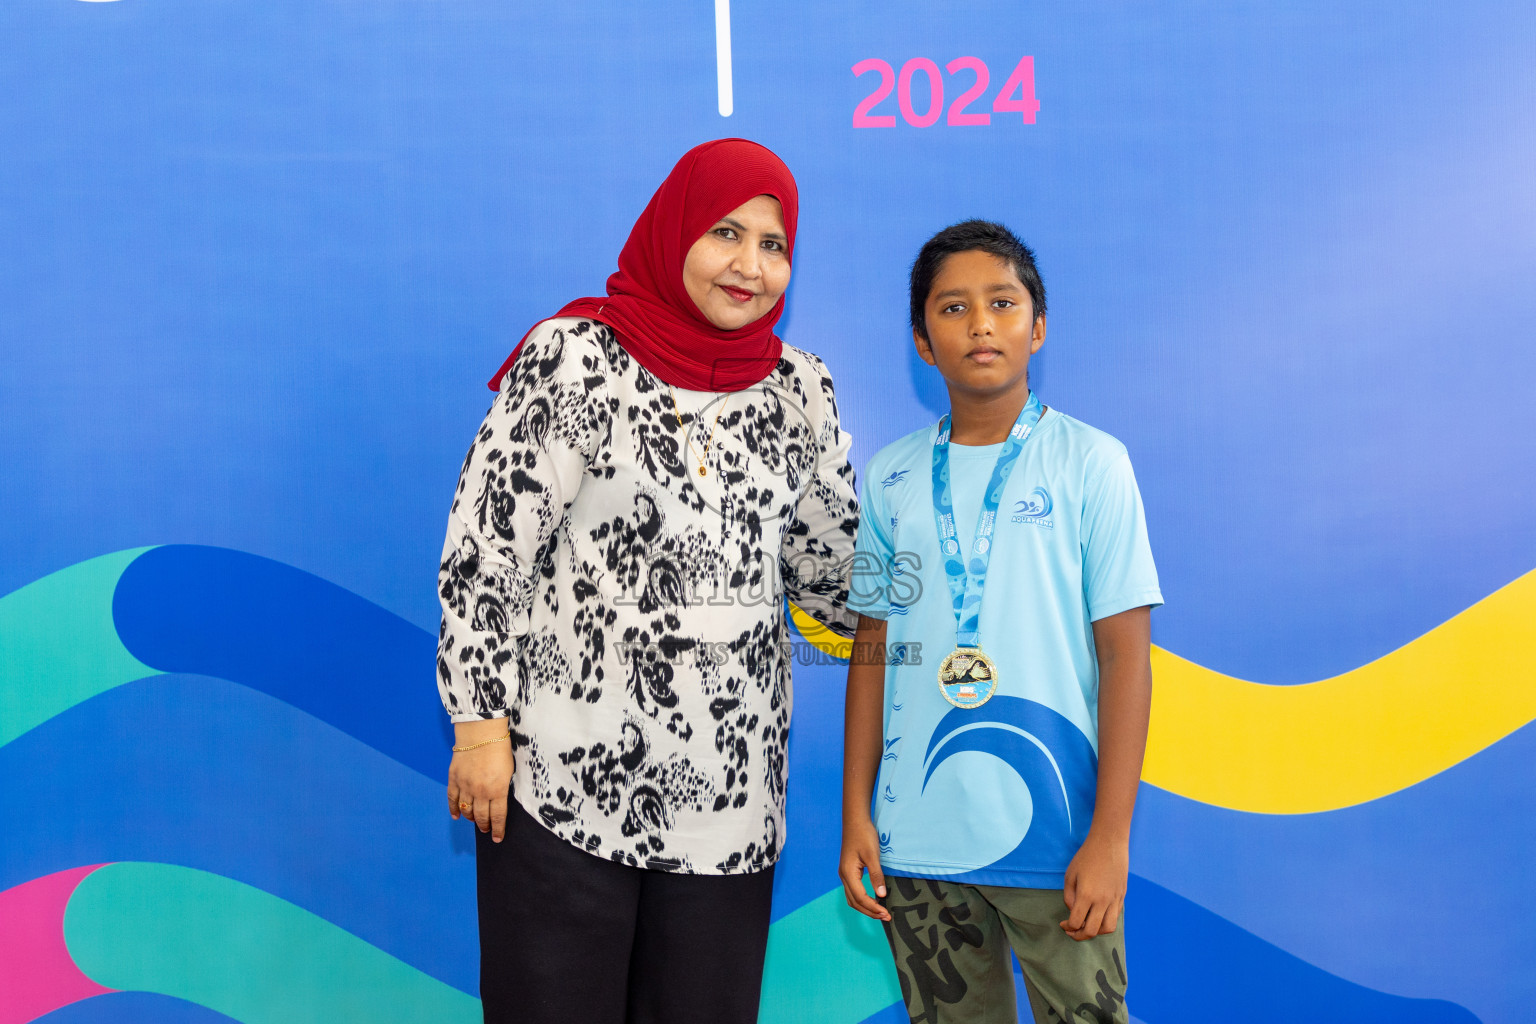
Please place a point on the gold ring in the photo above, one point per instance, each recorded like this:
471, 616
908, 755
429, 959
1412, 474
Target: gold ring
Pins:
463, 806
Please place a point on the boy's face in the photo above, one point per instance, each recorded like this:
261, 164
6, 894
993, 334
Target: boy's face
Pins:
982, 327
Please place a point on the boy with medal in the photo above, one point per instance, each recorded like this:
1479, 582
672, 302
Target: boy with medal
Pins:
1003, 551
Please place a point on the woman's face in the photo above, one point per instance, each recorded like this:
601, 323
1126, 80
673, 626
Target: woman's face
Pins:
738, 269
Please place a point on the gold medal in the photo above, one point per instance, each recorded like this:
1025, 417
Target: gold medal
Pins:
967, 677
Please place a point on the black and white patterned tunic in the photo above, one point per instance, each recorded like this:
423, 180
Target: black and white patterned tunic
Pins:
626, 612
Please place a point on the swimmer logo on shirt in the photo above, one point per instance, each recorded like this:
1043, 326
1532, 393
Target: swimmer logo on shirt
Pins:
1035, 509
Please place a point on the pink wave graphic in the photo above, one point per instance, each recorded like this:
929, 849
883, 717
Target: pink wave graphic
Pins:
37, 974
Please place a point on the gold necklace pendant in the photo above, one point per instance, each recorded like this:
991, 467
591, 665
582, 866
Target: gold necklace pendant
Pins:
678, 416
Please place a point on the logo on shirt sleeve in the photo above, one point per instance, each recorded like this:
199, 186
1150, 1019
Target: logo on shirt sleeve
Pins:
1036, 509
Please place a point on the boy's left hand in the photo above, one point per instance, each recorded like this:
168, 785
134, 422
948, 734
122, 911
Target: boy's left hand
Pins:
1095, 887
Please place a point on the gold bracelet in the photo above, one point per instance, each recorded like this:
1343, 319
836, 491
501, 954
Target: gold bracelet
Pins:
482, 743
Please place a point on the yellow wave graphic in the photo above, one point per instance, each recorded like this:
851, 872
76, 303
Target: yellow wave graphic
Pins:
1385, 726
818, 635
1411, 714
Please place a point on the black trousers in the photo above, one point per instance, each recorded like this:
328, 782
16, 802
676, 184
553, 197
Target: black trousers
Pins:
570, 938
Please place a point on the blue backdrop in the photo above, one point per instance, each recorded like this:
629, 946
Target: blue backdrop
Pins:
257, 260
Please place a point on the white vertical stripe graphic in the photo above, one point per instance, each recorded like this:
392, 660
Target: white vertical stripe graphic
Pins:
723, 56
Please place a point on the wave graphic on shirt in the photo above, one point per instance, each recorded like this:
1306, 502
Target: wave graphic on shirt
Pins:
1050, 755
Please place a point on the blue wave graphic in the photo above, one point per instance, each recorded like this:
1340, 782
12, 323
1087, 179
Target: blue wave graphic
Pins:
1388, 889
1050, 754
307, 642
133, 1008
212, 775
1190, 966
385, 864
893, 1014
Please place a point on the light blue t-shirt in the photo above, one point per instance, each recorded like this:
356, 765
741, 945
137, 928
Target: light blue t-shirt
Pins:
1001, 794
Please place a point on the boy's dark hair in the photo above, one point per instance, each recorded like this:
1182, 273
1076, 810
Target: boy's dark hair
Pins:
972, 236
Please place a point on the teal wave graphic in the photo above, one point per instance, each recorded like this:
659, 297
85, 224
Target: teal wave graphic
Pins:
242, 952
59, 645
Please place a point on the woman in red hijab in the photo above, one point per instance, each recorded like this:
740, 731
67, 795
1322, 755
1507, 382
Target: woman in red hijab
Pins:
657, 473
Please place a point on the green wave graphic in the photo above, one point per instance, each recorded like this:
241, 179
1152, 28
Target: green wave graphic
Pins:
826, 962
243, 952
58, 644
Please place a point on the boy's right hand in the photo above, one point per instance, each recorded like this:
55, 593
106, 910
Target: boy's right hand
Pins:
861, 852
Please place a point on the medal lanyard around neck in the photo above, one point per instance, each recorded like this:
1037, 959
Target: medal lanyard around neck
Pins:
966, 581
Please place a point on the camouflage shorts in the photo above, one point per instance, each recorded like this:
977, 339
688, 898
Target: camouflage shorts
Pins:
952, 946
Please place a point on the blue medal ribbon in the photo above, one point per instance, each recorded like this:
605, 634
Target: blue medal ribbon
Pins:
968, 579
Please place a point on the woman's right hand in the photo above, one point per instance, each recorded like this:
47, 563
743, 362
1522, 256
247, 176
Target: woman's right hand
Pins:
861, 852
478, 780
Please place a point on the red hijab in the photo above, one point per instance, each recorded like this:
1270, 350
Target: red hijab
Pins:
647, 305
